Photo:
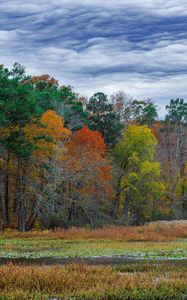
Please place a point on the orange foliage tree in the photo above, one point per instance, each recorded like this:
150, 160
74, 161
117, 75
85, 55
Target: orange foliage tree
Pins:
89, 173
47, 136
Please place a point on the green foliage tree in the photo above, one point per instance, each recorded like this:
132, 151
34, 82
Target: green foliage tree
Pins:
103, 118
18, 106
73, 110
61, 99
46, 91
177, 111
143, 112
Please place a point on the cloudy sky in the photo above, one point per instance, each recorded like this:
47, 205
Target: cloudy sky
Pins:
138, 46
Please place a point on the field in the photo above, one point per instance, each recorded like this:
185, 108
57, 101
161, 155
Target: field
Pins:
148, 262
92, 282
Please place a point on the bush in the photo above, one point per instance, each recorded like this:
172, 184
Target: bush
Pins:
55, 220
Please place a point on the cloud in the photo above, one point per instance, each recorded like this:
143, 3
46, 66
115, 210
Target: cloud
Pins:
139, 47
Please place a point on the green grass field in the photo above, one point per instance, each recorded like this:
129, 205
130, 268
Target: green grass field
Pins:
43, 247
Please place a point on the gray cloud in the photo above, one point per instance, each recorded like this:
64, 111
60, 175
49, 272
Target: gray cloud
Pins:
138, 47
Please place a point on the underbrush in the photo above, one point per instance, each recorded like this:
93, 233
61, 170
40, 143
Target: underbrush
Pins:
79, 281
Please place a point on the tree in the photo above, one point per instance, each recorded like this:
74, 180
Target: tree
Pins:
143, 191
104, 119
89, 173
42, 185
143, 112
175, 137
61, 99
74, 113
122, 105
18, 106
177, 111
55, 166
132, 155
46, 91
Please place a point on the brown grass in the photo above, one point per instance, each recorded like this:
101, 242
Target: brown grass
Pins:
158, 231
80, 280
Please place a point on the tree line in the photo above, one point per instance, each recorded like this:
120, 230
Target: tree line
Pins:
70, 161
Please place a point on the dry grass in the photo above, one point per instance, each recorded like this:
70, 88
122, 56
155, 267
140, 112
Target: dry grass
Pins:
158, 231
88, 282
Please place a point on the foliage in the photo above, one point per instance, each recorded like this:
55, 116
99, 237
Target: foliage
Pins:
177, 111
74, 112
68, 161
139, 176
102, 117
144, 112
90, 172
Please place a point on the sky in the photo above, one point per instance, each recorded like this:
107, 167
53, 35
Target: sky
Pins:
136, 46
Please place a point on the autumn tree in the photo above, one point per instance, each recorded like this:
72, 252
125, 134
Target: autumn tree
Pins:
67, 161
175, 132
41, 184
27, 141
89, 174
138, 176
122, 105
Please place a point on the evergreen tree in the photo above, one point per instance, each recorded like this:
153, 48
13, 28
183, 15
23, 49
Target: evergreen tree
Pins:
103, 118
18, 106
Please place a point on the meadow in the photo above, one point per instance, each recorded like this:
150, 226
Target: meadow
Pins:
152, 265
157, 240
79, 281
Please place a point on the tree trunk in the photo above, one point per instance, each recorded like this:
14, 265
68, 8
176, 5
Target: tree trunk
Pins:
1, 227
126, 207
21, 197
6, 208
87, 215
154, 209
115, 204
116, 199
71, 211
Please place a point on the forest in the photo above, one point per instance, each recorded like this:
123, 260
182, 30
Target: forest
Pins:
68, 161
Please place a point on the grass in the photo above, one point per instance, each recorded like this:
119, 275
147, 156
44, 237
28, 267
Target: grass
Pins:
158, 240
158, 231
144, 280
42, 247
79, 281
